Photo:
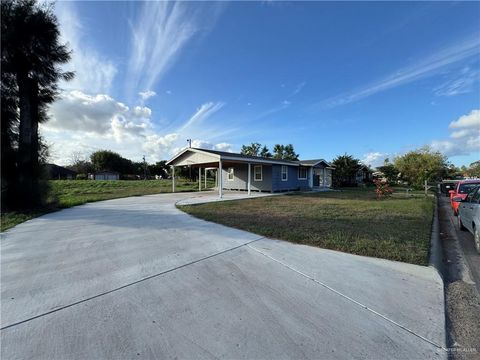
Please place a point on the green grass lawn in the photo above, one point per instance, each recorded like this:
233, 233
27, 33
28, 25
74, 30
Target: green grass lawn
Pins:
352, 221
67, 193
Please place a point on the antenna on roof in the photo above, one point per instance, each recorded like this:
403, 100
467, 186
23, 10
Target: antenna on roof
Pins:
189, 143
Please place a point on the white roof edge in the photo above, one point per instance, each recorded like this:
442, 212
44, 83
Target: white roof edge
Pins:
193, 150
318, 162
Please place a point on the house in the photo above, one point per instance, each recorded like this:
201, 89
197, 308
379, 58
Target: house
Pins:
106, 175
363, 175
56, 172
253, 173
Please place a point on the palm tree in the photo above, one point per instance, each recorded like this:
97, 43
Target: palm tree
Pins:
31, 55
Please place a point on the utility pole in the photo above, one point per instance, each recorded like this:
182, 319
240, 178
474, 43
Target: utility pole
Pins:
144, 168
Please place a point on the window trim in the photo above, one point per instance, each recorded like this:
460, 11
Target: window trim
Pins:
306, 173
232, 173
282, 172
255, 167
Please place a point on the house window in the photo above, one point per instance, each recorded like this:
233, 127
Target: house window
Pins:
257, 173
284, 172
302, 173
230, 175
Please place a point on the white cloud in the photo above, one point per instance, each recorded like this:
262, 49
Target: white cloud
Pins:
459, 83
100, 114
202, 114
427, 67
147, 94
93, 72
202, 144
470, 121
298, 88
161, 147
374, 159
465, 139
85, 123
159, 34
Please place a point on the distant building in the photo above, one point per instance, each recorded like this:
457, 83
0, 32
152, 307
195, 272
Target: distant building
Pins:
364, 175
106, 175
56, 172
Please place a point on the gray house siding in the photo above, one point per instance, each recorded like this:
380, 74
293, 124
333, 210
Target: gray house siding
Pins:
292, 182
240, 178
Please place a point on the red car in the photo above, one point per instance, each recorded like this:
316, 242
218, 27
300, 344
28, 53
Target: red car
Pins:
462, 189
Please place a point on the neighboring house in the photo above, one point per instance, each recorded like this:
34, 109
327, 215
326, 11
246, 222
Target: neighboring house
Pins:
364, 175
56, 172
106, 175
253, 173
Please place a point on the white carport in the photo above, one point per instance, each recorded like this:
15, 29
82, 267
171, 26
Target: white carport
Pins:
197, 158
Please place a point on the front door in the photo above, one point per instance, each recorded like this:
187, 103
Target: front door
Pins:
316, 180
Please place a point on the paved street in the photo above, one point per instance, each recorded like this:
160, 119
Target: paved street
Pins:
138, 278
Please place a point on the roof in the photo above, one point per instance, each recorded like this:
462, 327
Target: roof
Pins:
54, 169
107, 172
313, 162
470, 181
224, 155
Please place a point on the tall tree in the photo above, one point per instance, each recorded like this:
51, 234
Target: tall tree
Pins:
285, 152
346, 167
265, 152
31, 55
289, 153
109, 160
252, 150
420, 165
389, 171
473, 170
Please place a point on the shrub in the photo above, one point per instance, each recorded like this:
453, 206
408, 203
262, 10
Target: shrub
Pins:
382, 189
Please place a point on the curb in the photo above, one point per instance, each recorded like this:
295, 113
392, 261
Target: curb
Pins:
436, 253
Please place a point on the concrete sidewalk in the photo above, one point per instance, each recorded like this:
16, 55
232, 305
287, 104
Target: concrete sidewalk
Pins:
136, 277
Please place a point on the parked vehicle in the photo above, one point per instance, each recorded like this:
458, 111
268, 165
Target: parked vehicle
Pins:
469, 215
461, 191
447, 185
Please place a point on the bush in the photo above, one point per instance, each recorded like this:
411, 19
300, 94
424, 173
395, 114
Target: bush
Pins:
382, 189
82, 177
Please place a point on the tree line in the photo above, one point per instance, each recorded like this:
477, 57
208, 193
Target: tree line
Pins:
414, 167
285, 152
111, 161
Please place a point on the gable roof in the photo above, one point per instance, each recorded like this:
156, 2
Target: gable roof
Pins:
224, 155
314, 162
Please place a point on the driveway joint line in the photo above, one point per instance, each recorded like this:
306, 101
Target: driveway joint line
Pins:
348, 298
128, 285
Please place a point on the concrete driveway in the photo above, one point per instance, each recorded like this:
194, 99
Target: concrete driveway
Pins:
137, 278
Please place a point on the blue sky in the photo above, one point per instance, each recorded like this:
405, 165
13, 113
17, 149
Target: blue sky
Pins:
372, 79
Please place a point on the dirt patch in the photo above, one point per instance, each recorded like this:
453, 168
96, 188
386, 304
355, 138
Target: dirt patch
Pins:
463, 320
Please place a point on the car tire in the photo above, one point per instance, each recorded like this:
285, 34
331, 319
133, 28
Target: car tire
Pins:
476, 237
460, 224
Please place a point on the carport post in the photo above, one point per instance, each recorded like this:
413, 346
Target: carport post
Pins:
199, 178
205, 178
220, 179
249, 178
173, 178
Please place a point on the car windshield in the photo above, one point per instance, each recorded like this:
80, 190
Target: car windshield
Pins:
467, 188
